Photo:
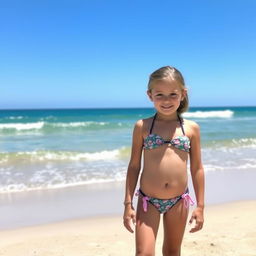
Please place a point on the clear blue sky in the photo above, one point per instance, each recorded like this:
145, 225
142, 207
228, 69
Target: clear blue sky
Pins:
56, 54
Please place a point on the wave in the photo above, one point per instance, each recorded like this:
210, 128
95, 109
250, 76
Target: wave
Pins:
43, 126
39, 170
62, 156
22, 187
14, 117
78, 124
53, 177
118, 153
232, 143
209, 114
22, 126
244, 142
214, 167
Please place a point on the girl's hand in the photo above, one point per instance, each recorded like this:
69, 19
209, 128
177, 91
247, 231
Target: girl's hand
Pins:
129, 217
198, 216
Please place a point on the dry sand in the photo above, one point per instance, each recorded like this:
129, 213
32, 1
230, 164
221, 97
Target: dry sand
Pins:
230, 229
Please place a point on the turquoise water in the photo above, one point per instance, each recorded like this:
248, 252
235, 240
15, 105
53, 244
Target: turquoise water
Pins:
42, 149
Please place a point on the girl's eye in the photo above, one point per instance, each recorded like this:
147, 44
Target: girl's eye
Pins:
172, 95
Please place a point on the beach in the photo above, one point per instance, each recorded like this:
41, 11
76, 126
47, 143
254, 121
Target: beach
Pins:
230, 229
90, 89
88, 221
63, 180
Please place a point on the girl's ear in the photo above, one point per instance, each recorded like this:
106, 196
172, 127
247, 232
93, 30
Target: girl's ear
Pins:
149, 95
184, 93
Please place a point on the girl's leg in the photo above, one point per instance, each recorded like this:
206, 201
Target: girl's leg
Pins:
174, 222
147, 224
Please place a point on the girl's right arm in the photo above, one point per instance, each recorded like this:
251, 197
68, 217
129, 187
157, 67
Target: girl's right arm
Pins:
133, 174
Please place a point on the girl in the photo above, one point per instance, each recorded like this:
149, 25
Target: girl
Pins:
167, 141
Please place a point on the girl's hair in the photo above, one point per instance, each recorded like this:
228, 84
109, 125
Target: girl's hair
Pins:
170, 73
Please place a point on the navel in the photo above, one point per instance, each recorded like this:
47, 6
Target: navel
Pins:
166, 185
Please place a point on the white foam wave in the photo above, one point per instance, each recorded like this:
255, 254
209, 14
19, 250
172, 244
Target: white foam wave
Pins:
230, 145
14, 117
244, 166
41, 124
209, 114
51, 179
245, 143
12, 188
77, 124
72, 156
10, 158
21, 126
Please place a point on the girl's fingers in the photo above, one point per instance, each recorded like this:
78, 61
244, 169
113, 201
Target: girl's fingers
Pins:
127, 224
198, 226
191, 219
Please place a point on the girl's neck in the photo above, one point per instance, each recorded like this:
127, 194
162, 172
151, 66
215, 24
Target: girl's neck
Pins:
172, 117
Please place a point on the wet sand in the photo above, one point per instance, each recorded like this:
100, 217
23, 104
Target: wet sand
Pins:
49, 206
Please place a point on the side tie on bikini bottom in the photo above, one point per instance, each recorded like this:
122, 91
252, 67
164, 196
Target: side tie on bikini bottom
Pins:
163, 205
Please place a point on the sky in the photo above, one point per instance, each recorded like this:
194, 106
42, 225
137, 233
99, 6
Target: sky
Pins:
99, 54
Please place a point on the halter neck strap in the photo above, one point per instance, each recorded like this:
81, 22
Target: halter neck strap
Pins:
181, 125
152, 125
180, 120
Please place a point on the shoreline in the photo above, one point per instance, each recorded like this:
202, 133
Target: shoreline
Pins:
106, 199
229, 229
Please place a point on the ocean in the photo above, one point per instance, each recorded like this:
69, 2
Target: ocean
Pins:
57, 148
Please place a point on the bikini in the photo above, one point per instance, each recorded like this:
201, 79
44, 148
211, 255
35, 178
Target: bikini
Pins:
153, 141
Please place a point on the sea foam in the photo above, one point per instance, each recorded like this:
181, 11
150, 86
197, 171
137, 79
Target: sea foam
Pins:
209, 114
21, 126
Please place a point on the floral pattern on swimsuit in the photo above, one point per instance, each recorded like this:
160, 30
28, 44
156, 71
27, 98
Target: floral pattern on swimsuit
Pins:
180, 142
164, 205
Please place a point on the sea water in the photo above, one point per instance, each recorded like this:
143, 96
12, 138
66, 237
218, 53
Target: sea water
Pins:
56, 148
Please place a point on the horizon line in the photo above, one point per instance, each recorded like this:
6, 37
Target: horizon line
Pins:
95, 108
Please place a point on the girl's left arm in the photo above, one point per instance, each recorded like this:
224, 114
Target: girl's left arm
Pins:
197, 173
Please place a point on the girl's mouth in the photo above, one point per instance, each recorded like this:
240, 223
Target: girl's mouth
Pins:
166, 107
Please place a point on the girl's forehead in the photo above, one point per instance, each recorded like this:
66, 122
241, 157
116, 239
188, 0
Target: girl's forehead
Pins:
163, 85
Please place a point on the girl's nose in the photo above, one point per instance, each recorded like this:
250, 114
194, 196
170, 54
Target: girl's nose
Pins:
167, 98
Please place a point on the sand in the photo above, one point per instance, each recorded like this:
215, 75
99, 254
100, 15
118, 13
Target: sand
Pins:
230, 229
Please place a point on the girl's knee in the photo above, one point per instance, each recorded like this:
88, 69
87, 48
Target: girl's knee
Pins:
171, 251
144, 253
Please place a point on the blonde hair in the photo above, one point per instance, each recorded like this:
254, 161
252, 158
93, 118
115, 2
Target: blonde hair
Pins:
170, 73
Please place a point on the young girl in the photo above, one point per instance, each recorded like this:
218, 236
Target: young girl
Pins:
167, 141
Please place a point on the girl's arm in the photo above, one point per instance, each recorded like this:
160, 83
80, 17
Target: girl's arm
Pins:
197, 173
133, 174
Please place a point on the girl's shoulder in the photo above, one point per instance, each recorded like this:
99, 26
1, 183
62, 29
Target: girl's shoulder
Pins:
144, 124
145, 121
191, 127
190, 123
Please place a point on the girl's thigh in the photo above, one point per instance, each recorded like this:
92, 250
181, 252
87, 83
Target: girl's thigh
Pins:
147, 224
174, 222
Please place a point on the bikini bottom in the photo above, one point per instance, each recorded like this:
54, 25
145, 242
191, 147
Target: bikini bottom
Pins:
163, 205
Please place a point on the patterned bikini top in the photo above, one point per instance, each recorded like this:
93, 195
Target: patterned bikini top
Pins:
180, 142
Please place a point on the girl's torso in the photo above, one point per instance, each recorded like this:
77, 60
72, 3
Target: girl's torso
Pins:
166, 150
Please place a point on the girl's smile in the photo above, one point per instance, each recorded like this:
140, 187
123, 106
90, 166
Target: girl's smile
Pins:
166, 96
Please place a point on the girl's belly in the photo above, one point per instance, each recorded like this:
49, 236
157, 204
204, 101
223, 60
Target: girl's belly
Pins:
164, 175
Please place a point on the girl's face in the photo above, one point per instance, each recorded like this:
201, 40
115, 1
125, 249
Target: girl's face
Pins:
166, 96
